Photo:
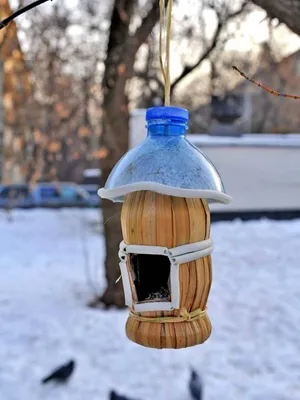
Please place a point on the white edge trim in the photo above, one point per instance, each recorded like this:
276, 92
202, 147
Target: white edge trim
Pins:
191, 247
175, 288
139, 249
185, 258
123, 245
126, 284
120, 191
155, 306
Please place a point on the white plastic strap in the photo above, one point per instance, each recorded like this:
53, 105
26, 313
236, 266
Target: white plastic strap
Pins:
191, 247
137, 249
126, 283
177, 255
185, 258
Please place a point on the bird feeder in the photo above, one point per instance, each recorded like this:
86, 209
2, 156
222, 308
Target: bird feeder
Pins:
165, 184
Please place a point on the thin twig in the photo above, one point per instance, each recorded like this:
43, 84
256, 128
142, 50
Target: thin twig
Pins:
23, 10
266, 88
111, 218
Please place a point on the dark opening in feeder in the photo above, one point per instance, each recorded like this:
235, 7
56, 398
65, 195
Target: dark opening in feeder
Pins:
151, 277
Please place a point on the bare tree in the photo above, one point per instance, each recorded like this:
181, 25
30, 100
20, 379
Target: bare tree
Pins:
286, 11
15, 90
194, 42
65, 75
123, 45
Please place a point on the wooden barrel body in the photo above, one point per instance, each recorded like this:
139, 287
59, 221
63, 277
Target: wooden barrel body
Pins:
149, 218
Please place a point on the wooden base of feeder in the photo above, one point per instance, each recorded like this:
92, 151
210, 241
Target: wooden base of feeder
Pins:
170, 335
152, 219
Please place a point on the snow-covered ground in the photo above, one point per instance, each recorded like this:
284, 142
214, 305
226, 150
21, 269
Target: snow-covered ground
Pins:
253, 353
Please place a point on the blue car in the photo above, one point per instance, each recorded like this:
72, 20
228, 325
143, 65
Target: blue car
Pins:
43, 195
94, 199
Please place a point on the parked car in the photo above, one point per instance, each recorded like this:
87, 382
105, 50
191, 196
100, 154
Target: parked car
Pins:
94, 199
15, 196
44, 195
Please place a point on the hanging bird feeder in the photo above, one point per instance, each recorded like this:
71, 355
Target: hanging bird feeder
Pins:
165, 184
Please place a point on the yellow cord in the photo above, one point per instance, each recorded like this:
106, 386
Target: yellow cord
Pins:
184, 316
161, 21
165, 69
168, 80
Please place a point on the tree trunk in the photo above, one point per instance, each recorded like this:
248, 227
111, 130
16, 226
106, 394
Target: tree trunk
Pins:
121, 52
116, 127
286, 11
115, 140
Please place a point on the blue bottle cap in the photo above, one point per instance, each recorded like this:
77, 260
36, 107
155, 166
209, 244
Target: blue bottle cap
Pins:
175, 114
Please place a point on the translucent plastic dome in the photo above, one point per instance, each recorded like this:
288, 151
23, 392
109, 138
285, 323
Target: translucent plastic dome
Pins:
165, 162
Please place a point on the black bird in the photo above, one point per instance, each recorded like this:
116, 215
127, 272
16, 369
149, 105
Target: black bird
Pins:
196, 386
61, 374
115, 396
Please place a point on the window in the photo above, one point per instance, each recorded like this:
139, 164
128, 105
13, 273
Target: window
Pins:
92, 191
73, 193
69, 193
49, 192
14, 193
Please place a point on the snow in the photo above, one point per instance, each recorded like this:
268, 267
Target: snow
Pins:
245, 140
254, 305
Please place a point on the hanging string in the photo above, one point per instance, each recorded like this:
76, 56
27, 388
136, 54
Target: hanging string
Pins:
161, 27
165, 67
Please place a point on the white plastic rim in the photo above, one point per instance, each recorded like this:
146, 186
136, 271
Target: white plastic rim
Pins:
177, 256
120, 191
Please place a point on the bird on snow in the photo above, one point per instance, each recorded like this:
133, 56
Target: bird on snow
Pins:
115, 396
61, 374
195, 386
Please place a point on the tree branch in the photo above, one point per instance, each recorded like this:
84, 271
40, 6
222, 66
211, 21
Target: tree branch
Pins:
6, 32
143, 31
222, 21
23, 10
149, 77
189, 68
4, 38
286, 11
